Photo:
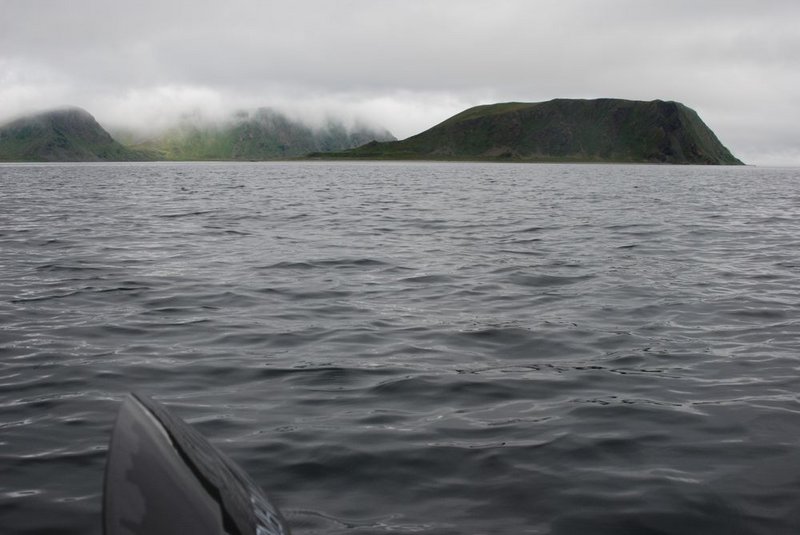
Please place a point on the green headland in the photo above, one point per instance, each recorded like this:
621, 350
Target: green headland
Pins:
561, 130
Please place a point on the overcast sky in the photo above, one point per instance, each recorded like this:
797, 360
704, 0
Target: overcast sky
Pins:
408, 65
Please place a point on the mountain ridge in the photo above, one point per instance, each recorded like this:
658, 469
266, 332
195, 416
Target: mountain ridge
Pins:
72, 134
262, 134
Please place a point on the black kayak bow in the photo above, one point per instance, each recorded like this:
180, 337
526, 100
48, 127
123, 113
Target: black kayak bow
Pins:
163, 478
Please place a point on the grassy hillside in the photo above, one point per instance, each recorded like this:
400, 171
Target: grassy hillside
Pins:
602, 130
69, 134
262, 135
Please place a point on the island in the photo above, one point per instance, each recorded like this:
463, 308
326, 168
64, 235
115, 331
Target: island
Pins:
560, 130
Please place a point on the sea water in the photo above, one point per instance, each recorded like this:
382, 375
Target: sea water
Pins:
431, 348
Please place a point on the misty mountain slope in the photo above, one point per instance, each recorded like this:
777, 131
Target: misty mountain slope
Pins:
69, 134
601, 130
265, 134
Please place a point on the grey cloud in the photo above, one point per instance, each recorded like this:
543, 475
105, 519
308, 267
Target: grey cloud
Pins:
734, 61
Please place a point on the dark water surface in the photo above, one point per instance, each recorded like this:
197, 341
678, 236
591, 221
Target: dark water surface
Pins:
426, 348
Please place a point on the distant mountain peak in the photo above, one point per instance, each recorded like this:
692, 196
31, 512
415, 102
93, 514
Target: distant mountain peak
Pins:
63, 134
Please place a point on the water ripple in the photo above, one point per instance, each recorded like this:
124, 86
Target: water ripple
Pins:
434, 348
